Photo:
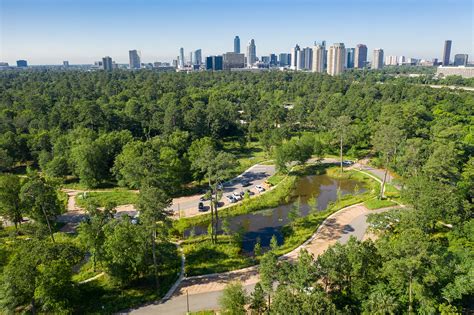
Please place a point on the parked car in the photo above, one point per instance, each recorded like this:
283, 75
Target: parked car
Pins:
245, 183
259, 188
347, 163
201, 206
236, 195
220, 186
231, 198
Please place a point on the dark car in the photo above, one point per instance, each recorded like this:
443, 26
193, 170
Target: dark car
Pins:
201, 206
245, 183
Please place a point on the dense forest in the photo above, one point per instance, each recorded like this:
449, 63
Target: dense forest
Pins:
147, 130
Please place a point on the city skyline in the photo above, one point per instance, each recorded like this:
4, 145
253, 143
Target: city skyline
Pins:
50, 31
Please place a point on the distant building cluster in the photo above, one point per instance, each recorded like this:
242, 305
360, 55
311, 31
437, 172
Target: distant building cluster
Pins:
333, 60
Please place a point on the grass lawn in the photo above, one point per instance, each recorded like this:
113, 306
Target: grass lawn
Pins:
303, 228
202, 257
87, 271
376, 203
104, 297
73, 183
247, 155
280, 195
276, 178
116, 196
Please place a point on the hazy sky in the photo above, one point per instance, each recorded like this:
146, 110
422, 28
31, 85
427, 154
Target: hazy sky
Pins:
82, 31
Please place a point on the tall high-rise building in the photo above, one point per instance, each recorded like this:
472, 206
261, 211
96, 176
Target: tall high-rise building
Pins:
197, 57
107, 63
21, 63
273, 60
308, 58
251, 53
237, 44
447, 52
460, 59
214, 63
181, 58
336, 58
294, 57
265, 60
350, 54
377, 60
318, 58
232, 60
284, 59
66, 64
391, 60
134, 59
300, 58
360, 56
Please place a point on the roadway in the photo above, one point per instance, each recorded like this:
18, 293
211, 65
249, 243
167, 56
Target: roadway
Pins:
206, 292
255, 175
339, 227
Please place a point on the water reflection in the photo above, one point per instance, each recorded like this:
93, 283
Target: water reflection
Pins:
311, 192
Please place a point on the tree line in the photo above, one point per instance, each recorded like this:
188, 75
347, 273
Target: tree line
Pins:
158, 132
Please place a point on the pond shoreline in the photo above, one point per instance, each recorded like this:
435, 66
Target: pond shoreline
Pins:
203, 257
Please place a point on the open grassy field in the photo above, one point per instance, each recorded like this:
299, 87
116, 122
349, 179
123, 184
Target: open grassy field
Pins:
116, 196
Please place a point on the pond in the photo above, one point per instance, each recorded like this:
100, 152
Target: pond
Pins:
264, 224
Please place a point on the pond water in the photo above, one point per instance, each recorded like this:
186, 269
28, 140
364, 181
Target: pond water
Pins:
264, 224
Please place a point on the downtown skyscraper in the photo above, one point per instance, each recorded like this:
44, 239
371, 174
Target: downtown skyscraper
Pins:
197, 57
181, 58
294, 57
107, 63
237, 45
377, 60
350, 52
360, 56
134, 59
336, 58
447, 52
251, 53
318, 58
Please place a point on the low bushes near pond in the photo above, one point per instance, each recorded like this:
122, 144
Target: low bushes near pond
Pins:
202, 257
281, 194
104, 295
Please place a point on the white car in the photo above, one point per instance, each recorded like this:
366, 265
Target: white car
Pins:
259, 188
230, 198
236, 196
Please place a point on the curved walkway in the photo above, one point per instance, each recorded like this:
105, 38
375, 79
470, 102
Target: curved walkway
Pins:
204, 290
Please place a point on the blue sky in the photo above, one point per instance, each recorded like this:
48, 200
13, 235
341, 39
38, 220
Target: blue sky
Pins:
82, 31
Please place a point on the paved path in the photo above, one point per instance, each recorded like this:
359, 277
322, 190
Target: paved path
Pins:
255, 175
182, 206
204, 291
